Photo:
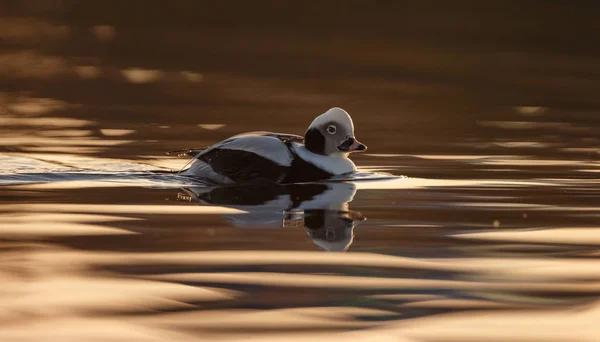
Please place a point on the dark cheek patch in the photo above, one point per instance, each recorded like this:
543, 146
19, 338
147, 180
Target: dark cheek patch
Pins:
314, 141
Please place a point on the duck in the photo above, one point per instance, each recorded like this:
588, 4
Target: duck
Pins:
267, 157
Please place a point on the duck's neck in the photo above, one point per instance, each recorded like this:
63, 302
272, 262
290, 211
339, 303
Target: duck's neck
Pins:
336, 164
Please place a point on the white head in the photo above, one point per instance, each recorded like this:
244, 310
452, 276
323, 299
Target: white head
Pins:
332, 133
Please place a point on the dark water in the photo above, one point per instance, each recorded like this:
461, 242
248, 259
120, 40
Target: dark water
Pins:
474, 217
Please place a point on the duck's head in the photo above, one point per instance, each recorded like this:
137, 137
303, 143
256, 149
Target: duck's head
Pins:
332, 133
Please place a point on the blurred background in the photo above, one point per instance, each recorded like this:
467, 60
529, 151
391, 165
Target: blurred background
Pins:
417, 76
489, 107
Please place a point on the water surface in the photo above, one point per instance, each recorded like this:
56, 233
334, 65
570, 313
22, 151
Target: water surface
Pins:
474, 216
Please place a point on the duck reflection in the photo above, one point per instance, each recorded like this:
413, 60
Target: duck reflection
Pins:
322, 209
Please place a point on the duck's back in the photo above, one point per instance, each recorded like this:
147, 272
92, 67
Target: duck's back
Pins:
245, 158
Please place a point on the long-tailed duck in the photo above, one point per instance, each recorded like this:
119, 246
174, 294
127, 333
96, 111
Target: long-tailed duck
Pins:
281, 158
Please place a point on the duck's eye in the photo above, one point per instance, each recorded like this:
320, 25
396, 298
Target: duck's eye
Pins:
331, 129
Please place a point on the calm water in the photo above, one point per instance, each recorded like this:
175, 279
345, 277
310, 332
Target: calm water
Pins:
474, 216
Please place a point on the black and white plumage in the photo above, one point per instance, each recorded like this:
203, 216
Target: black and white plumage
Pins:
282, 158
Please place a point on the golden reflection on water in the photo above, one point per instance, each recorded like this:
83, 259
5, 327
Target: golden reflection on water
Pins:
487, 231
154, 271
64, 287
119, 209
87, 72
139, 76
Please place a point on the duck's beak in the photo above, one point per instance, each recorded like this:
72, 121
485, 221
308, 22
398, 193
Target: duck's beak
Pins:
352, 145
357, 146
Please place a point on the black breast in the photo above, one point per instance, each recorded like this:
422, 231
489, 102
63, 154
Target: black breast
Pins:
302, 171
